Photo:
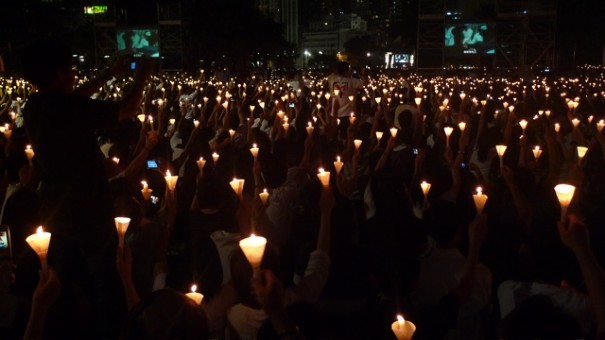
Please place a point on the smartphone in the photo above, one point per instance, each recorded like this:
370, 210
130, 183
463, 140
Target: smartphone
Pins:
152, 164
154, 199
133, 65
291, 105
415, 151
6, 249
463, 165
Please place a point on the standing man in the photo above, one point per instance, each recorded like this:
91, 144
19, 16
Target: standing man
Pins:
61, 121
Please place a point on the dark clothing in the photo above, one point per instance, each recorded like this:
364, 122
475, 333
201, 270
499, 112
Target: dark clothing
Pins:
76, 206
74, 184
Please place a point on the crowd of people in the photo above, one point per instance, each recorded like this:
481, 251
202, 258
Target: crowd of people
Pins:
393, 229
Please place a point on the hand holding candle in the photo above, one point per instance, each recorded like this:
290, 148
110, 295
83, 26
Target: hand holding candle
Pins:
238, 186
564, 194
121, 226
479, 198
29, 153
324, 177
39, 243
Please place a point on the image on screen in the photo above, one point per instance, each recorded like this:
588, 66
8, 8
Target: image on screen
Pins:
401, 58
139, 42
470, 38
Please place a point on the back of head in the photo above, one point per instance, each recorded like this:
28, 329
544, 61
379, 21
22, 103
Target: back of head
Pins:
42, 59
166, 314
443, 221
342, 67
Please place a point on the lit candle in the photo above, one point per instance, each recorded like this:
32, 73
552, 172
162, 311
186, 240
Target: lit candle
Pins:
141, 118
172, 121
547, 113
170, 180
121, 226
378, 100
215, 157
357, 143
501, 149
264, 196
393, 132
379, 135
309, 128
324, 177
564, 194
116, 160
523, 125
254, 249
352, 118
403, 330
238, 186
581, 153
231, 133
537, 152
425, 186
575, 122
600, 125
338, 165
146, 191
196, 123
225, 105
590, 118
462, 126
448, 132
39, 243
201, 163
286, 125
418, 101
29, 153
254, 151
479, 198
351, 98
150, 120
195, 296
251, 107
336, 92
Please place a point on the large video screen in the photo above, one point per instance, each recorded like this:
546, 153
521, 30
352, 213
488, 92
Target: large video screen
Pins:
470, 38
139, 42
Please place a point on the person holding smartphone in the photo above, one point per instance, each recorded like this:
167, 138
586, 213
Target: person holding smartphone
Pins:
76, 207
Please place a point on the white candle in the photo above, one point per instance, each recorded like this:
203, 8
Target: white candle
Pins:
238, 186
501, 149
195, 296
29, 153
264, 196
281, 114
39, 243
231, 133
254, 249
309, 128
600, 125
564, 194
196, 123
479, 198
146, 191
462, 95
403, 330
425, 186
215, 157
171, 121
170, 180
393, 132
116, 160
338, 165
378, 100
581, 153
523, 125
379, 135
462, 126
537, 152
418, 101
122, 224
141, 118
254, 151
357, 143
201, 163
352, 118
448, 132
557, 127
324, 177
575, 122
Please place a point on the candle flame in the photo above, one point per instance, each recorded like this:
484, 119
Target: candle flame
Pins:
321, 170
193, 288
479, 190
168, 174
400, 320
40, 230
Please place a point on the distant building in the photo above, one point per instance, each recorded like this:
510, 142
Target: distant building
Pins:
327, 36
284, 12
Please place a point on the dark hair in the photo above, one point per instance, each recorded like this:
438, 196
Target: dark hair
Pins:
443, 221
342, 67
42, 59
